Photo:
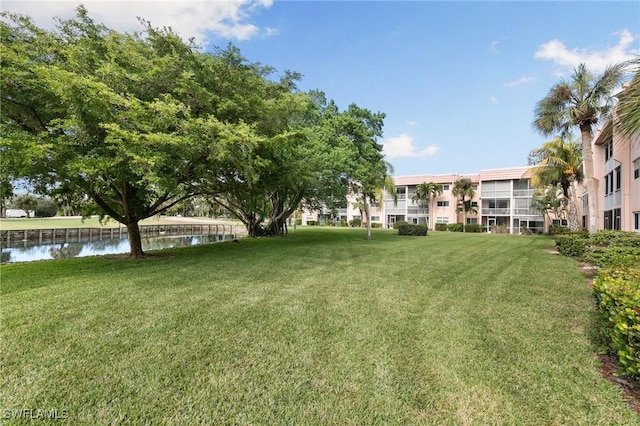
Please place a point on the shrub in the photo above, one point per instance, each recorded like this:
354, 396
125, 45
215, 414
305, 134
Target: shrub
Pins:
571, 244
399, 223
473, 227
311, 223
615, 238
613, 256
376, 225
454, 227
558, 230
344, 223
407, 229
355, 223
298, 221
499, 229
618, 305
441, 226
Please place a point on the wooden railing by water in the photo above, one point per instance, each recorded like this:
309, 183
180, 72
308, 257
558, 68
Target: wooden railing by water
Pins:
63, 235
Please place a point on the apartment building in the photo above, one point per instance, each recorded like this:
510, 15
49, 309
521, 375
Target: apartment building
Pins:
617, 170
502, 200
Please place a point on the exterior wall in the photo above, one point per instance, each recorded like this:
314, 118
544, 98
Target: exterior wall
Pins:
615, 160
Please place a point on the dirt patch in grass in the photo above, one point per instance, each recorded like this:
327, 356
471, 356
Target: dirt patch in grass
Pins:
630, 387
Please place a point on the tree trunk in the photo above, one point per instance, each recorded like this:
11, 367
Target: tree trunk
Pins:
432, 220
589, 173
574, 220
135, 242
366, 212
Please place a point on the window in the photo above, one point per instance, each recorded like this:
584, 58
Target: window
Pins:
401, 192
472, 220
636, 169
442, 220
443, 204
445, 187
618, 178
474, 204
474, 187
375, 218
562, 222
608, 150
636, 221
373, 204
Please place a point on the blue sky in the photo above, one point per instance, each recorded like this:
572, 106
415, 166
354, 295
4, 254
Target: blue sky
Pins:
458, 81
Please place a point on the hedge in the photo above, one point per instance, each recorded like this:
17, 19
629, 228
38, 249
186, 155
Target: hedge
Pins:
454, 227
441, 226
399, 223
376, 225
615, 238
473, 227
558, 229
571, 244
613, 256
617, 295
407, 229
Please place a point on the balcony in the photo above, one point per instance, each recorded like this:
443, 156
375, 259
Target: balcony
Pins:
496, 212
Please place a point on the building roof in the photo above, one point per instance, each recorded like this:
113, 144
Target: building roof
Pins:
484, 175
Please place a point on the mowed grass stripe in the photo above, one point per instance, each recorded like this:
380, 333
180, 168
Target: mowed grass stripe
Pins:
319, 327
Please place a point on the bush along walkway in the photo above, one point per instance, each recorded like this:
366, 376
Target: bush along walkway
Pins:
615, 257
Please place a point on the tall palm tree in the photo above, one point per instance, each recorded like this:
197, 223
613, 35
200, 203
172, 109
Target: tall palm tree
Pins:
559, 163
463, 188
425, 193
628, 110
581, 102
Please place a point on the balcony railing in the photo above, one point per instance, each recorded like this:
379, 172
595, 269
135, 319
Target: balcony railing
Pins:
504, 212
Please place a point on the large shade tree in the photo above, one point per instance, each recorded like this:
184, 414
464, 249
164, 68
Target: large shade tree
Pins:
137, 123
463, 188
425, 194
558, 163
581, 101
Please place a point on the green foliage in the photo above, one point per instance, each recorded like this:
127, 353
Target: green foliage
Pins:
46, 207
613, 256
455, 227
618, 305
409, 229
605, 238
441, 227
558, 229
400, 223
473, 227
311, 223
376, 225
355, 223
571, 244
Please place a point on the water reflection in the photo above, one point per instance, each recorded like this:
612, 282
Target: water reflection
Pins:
28, 253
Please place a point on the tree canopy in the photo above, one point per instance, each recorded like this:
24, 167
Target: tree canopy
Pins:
139, 122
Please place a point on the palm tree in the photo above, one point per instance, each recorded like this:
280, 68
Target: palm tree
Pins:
387, 184
628, 110
464, 188
582, 101
559, 164
425, 193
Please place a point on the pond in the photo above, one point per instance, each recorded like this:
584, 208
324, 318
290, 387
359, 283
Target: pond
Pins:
29, 252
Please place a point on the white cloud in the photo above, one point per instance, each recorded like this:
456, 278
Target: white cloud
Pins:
402, 146
412, 123
519, 82
495, 100
493, 47
189, 18
596, 60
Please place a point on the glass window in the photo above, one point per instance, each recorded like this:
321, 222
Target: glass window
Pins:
636, 169
443, 204
401, 192
375, 218
442, 220
636, 221
618, 178
445, 187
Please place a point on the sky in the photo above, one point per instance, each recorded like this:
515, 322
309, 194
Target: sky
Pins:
458, 81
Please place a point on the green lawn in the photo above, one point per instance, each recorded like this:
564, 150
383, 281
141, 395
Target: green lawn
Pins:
319, 327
